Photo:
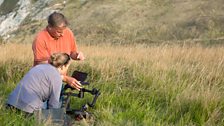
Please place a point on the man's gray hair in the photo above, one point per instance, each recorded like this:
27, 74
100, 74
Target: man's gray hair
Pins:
56, 19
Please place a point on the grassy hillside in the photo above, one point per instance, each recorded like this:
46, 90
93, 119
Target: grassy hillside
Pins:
139, 21
175, 83
141, 86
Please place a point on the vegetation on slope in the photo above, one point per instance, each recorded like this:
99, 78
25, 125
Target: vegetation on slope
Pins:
167, 84
139, 21
162, 85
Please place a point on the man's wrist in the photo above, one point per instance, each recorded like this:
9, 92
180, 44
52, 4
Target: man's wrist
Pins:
74, 55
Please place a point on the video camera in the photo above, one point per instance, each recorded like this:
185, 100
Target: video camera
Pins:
81, 113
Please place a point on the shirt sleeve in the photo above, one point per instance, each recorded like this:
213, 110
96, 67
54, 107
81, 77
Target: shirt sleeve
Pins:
39, 49
54, 102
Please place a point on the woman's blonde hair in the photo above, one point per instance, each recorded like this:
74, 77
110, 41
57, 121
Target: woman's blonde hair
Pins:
59, 59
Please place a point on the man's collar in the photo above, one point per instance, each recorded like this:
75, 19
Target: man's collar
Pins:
49, 35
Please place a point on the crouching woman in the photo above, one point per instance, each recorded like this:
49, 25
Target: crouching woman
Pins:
42, 83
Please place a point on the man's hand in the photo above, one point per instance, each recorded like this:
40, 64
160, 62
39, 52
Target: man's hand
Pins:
77, 56
72, 82
80, 56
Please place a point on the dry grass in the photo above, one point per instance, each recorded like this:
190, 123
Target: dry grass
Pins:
107, 57
20, 52
162, 84
187, 79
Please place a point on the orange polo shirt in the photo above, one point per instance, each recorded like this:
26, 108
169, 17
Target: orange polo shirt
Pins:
44, 45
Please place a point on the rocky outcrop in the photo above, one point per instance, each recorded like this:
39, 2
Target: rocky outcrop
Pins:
12, 18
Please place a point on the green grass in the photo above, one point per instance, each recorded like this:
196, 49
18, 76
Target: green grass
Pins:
136, 97
140, 85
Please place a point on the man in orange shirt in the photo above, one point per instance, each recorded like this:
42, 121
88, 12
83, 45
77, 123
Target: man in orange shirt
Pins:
56, 37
